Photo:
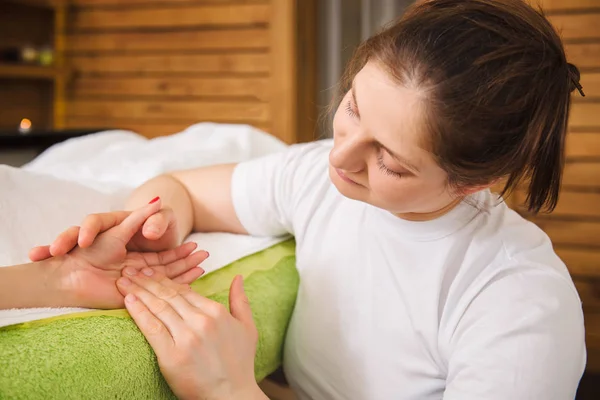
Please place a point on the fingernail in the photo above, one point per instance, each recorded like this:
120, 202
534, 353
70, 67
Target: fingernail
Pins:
130, 271
154, 200
124, 282
151, 229
148, 271
130, 298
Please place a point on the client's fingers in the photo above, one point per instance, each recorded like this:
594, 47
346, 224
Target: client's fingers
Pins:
65, 242
189, 276
39, 253
95, 224
134, 221
168, 256
157, 224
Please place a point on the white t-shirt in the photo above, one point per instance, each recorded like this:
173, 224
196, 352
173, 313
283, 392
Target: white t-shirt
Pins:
474, 305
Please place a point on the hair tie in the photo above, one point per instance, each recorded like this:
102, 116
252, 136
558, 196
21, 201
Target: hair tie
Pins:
575, 77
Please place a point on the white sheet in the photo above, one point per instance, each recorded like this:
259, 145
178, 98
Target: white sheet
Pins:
95, 173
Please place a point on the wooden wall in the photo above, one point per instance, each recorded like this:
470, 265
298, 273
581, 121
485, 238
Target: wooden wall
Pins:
574, 226
158, 66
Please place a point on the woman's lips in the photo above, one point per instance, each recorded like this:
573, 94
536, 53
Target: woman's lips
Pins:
344, 177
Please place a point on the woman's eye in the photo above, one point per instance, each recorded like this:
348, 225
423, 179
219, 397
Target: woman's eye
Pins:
385, 169
350, 109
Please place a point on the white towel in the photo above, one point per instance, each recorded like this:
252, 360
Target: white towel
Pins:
95, 173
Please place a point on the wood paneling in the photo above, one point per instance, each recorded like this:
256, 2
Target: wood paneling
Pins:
172, 64
188, 110
161, 65
171, 17
571, 233
585, 55
583, 145
577, 26
585, 116
173, 41
225, 87
591, 86
560, 5
572, 204
581, 262
583, 174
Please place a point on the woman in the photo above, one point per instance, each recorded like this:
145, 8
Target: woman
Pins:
416, 281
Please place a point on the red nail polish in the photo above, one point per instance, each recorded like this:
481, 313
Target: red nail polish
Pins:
207, 254
154, 200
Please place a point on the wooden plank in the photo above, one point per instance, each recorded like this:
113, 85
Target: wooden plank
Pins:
571, 204
250, 88
589, 292
27, 72
585, 174
585, 116
170, 17
584, 55
284, 70
581, 145
255, 38
591, 86
581, 262
155, 128
187, 110
25, 99
37, 3
554, 5
577, 26
96, 3
571, 233
171, 64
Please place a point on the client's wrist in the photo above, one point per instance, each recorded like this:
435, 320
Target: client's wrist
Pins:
53, 285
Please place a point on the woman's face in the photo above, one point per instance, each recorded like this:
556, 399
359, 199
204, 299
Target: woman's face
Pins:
378, 156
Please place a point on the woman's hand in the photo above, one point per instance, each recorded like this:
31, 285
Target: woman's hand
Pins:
204, 351
90, 274
157, 233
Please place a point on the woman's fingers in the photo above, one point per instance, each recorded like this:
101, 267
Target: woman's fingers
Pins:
168, 256
239, 303
166, 302
95, 224
65, 242
161, 304
152, 327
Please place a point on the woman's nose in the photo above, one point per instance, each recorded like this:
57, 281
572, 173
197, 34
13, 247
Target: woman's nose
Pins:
348, 154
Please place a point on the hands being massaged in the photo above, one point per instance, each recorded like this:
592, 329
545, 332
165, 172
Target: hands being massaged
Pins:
132, 258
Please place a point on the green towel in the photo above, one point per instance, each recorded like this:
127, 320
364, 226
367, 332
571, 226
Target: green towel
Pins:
103, 355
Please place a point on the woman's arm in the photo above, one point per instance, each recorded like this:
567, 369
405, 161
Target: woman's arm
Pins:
200, 199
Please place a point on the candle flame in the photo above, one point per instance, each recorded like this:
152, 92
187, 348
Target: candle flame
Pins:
25, 124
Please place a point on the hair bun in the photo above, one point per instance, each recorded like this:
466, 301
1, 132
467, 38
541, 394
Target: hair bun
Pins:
575, 76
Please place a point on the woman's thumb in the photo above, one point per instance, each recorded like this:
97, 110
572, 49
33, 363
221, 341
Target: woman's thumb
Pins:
239, 303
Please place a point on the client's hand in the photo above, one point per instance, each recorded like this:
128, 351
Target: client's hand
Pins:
203, 350
157, 233
90, 273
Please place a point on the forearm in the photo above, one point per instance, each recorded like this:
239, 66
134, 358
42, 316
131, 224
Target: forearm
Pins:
32, 285
172, 194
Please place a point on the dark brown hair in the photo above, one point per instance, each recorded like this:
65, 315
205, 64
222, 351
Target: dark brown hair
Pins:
497, 87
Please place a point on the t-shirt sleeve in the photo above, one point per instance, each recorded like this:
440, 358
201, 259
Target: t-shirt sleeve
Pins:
521, 338
266, 191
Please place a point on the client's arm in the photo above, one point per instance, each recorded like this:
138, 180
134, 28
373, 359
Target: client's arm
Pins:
196, 200
86, 277
33, 285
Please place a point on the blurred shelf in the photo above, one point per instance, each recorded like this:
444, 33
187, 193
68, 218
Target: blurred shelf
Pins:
37, 3
28, 72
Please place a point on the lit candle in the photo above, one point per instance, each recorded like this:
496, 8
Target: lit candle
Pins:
25, 126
